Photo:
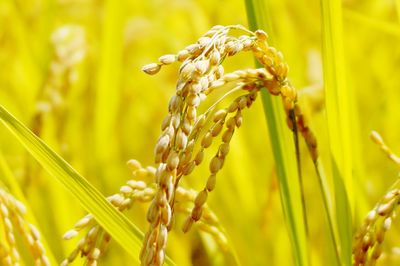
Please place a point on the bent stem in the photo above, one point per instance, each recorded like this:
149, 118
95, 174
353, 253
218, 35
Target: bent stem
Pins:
298, 161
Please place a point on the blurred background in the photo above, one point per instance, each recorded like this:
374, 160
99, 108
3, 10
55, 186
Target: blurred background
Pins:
71, 71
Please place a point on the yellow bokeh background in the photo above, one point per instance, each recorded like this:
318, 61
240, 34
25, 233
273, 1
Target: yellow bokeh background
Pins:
100, 110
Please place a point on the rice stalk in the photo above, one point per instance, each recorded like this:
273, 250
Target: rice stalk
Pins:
224, 173
201, 73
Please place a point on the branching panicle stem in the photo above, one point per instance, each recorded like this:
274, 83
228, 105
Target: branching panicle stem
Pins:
187, 134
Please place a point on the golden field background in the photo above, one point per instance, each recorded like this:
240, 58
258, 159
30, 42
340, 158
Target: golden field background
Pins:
80, 62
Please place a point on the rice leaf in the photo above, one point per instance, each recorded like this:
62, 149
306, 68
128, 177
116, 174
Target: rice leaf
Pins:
338, 116
115, 223
283, 150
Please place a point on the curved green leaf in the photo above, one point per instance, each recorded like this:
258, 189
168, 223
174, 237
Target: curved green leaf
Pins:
114, 222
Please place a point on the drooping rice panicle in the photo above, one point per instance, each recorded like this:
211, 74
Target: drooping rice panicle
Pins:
69, 49
95, 242
12, 215
200, 74
187, 134
367, 246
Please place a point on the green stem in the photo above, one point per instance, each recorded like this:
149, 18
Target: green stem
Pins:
292, 117
325, 192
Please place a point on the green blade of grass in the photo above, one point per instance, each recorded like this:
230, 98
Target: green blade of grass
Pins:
115, 223
283, 150
338, 116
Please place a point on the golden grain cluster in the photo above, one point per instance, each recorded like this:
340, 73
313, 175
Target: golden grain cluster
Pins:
12, 215
186, 135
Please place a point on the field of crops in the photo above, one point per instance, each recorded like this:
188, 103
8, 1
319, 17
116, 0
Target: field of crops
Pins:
199, 132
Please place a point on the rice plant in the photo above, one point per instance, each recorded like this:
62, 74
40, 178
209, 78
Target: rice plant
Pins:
87, 177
